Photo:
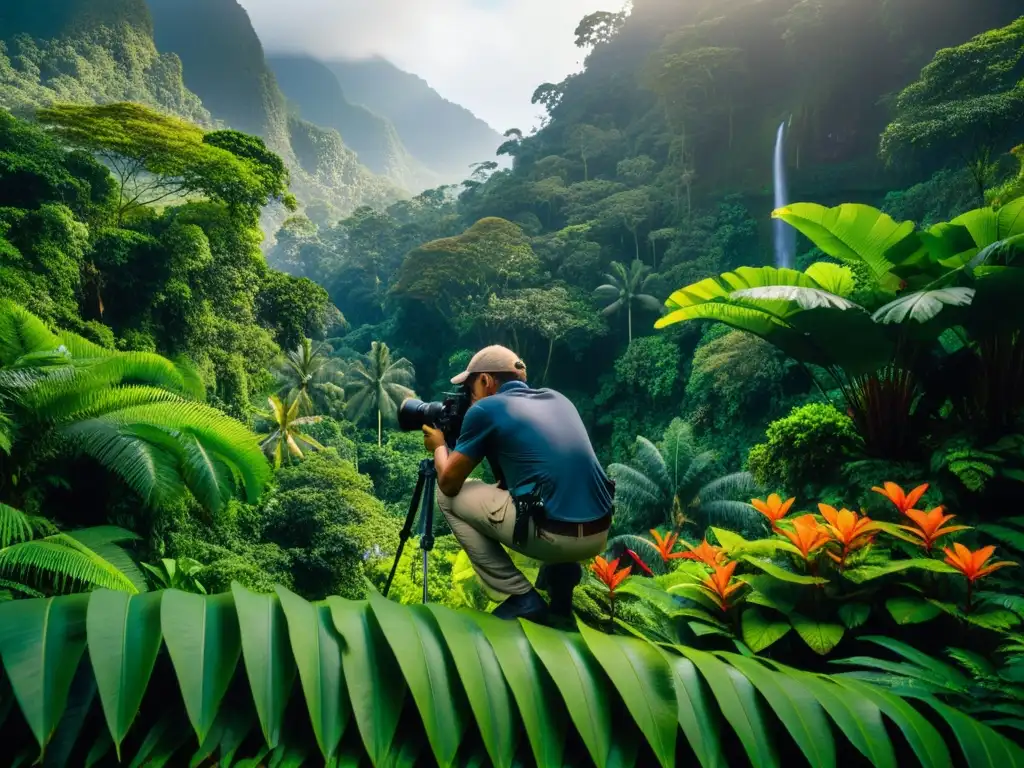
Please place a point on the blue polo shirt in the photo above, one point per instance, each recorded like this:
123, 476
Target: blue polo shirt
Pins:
536, 438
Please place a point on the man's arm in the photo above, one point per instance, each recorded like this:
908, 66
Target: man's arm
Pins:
452, 469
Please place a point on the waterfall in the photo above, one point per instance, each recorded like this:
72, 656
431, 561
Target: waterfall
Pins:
785, 235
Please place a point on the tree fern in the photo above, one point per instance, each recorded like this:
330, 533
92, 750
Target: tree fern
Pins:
674, 484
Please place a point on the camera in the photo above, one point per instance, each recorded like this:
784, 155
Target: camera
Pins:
446, 416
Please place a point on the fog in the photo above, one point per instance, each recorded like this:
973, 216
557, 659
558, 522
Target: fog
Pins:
488, 55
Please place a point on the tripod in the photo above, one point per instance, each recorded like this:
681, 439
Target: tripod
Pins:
424, 493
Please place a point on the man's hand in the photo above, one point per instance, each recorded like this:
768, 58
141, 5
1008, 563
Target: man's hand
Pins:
432, 438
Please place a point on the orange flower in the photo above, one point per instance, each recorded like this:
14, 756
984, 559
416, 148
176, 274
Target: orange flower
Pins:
704, 552
849, 530
929, 525
609, 573
809, 536
903, 501
972, 564
718, 585
666, 545
774, 509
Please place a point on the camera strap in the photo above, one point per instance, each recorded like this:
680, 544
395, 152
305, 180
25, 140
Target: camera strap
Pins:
529, 506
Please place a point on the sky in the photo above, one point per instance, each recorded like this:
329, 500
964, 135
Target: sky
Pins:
487, 55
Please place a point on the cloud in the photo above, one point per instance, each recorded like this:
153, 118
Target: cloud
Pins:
488, 55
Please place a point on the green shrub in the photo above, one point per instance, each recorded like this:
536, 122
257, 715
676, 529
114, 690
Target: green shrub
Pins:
807, 447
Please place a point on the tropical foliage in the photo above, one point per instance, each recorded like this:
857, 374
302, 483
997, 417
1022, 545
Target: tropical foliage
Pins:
282, 678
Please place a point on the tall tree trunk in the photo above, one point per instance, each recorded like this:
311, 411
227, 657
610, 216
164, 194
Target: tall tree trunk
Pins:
547, 367
629, 320
586, 170
636, 239
378, 427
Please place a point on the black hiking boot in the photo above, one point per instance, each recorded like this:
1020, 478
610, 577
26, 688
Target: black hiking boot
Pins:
529, 606
559, 580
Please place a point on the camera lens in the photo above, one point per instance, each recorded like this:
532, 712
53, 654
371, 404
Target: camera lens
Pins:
413, 414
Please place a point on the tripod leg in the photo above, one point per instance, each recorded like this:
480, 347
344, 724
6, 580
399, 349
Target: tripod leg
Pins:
427, 517
404, 534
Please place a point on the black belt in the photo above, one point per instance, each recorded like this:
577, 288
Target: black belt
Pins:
531, 506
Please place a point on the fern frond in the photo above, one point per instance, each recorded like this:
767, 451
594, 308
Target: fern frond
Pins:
729, 487
15, 526
21, 333
732, 515
63, 560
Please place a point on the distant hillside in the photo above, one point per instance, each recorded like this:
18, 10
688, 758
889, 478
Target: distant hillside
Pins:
316, 93
224, 64
443, 136
87, 52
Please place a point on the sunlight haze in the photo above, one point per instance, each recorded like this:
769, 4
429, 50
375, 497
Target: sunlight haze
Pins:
487, 55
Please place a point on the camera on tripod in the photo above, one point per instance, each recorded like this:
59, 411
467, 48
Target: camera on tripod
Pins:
446, 416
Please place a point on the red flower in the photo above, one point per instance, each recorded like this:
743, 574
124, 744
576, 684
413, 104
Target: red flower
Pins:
774, 508
666, 544
719, 585
706, 553
929, 526
903, 501
609, 573
809, 535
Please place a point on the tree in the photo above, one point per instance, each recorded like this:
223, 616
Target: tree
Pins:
309, 376
629, 209
674, 483
591, 142
597, 28
156, 157
623, 289
285, 436
137, 414
552, 313
378, 384
966, 104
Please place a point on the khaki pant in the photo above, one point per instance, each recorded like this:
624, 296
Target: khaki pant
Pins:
482, 517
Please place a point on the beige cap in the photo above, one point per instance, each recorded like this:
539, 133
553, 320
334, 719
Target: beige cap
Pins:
494, 359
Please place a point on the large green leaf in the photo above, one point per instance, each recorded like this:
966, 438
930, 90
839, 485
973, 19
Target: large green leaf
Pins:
201, 633
926, 742
375, 685
820, 636
482, 679
124, 640
580, 683
640, 674
429, 672
981, 745
923, 305
781, 573
267, 656
863, 573
41, 643
543, 716
761, 630
796, 707
854, 233
804, 298
317, 652
694, 711
833, 278
738, 701
911, 610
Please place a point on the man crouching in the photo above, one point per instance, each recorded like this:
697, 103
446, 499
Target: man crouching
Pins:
553, 501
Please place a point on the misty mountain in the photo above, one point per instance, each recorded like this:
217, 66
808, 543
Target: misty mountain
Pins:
444, 136
317, 95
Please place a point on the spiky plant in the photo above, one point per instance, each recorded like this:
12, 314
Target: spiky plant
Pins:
626, 288
36, 558
310, 376
378, 384
674, 483
285, 437
138, 414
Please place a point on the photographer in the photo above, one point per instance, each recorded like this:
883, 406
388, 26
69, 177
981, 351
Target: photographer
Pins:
553, 501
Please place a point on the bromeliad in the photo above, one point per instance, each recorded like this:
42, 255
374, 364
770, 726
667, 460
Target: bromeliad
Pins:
902, 501
706, 553
719, 585
972, 564
929, 526
665, 545
609, 573
849, 530
810, 535
774, 508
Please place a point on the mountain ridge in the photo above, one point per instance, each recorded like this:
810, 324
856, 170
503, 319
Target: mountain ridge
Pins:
425, 120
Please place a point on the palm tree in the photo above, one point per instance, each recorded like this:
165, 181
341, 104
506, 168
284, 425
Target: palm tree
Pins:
624, 288
378, 384
286, 430
35, 556
138, 414
674, 484
309, 375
